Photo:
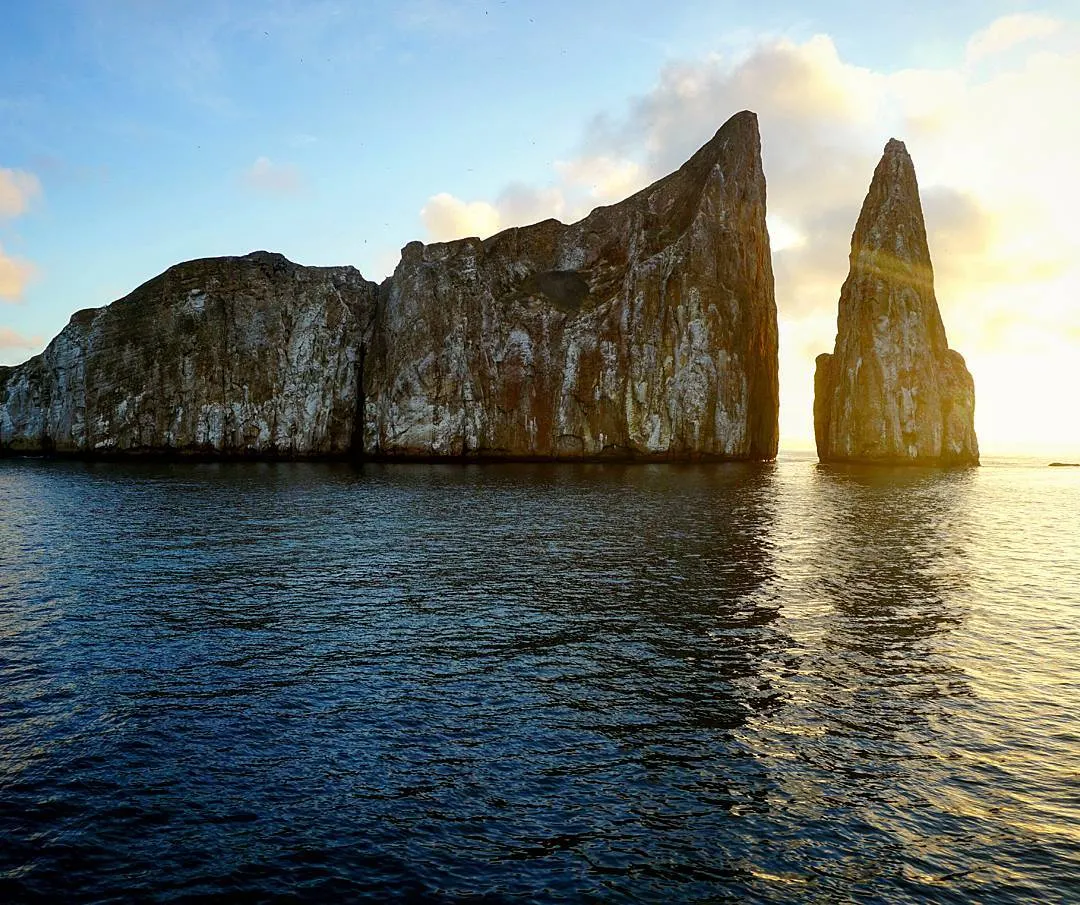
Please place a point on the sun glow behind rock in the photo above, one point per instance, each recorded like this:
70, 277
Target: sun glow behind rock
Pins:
782, 235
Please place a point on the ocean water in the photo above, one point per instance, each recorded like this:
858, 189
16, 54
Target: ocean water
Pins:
546, 683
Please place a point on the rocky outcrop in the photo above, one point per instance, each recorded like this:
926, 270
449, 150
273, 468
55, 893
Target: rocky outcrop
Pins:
892, 390
253, 355
648, 329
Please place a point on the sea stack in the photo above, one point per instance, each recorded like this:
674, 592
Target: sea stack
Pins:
892, 391
646, 330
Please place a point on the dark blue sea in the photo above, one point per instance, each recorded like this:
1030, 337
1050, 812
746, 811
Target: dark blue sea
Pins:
539, 683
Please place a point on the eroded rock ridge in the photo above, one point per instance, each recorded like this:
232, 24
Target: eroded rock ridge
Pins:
892, 390
648, 329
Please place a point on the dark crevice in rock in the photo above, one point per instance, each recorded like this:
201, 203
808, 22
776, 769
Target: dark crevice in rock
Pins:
565, 289
360, 416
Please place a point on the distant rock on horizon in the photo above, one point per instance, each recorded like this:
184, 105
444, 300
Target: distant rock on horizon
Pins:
892, 391
648, 329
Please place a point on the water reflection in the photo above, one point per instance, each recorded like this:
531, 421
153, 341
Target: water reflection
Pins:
635, 585
538, 682
892, 558
883, 585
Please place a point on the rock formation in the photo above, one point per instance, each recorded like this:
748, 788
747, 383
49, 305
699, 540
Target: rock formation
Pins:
892, 390
251, 354
646, 329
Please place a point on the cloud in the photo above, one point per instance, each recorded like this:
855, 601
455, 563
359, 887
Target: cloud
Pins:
266, 177
11, 339
582, 184
446, 217
17, 190
15, 274
518, 204
58, 169
605, 178
812, 106
1008, 32
443, 17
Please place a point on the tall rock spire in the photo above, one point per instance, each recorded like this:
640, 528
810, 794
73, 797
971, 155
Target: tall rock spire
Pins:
893, 390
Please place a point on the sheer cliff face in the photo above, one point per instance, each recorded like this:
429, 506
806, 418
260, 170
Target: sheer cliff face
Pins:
892, 390
251, 355
646, 329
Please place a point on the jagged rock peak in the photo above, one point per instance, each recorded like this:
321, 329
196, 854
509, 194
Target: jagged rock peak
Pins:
646, 329
891, 221
892, 390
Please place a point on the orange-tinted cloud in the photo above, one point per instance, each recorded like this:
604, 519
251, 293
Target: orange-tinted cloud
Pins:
15, 274
18, 189
12, 339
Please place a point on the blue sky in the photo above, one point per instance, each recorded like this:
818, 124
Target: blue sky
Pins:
135, 134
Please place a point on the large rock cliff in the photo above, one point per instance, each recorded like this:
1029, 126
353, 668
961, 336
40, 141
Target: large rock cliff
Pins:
648, 329
892, 390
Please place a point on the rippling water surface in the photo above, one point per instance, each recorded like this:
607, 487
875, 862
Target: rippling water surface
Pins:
541, 683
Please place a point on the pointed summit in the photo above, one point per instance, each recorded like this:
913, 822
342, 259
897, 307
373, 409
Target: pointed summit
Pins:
891, 233
646, 329
893, 390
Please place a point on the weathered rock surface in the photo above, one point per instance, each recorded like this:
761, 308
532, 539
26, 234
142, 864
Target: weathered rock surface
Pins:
892, 390
251, 355
646, 329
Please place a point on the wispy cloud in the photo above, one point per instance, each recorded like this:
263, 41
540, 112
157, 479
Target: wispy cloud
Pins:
12, 339
197, 52
18, 189
58, 169
15, 274
271, 178
443, 17
1008, 32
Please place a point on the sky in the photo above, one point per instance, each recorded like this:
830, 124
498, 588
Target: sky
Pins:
135, 134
